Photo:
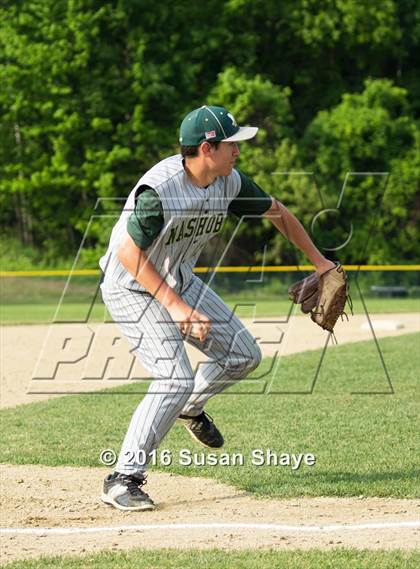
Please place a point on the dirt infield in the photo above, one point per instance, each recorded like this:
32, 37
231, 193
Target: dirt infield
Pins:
62, 498
62, 513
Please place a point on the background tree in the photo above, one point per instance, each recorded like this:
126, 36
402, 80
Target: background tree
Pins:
92, 94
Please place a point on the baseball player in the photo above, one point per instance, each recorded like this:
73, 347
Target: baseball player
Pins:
158, 303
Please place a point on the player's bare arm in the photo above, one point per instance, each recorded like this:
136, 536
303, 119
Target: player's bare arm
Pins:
138, 264
293, 230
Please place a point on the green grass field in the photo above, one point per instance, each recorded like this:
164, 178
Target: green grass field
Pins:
339, 558
364, 444
41, 313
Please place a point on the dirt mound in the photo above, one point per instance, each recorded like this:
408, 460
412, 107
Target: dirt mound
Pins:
192, 513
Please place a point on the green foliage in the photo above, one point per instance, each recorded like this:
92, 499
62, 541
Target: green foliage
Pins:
373, 131
92, 94
257, 101
17, 257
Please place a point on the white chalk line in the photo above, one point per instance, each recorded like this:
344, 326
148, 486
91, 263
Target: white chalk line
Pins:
215, 525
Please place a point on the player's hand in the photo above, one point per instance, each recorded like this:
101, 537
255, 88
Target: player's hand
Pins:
325, 266
191, 322
198, 325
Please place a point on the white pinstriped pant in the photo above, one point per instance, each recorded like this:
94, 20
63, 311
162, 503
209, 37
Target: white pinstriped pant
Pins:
158, 343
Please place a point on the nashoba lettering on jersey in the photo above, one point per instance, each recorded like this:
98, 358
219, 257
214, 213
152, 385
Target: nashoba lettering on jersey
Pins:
195, 227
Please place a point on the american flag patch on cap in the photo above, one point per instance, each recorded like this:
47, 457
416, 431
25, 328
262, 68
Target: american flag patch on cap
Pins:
210, 134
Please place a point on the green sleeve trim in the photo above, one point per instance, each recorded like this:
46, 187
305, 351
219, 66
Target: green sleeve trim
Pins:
146, 221
251, 200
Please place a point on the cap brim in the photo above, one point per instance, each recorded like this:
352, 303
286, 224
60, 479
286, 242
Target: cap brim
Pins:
244, 133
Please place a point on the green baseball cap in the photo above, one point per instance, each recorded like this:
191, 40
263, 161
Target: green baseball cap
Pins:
214, 124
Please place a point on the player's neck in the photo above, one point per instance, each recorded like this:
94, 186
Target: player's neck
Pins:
198, 173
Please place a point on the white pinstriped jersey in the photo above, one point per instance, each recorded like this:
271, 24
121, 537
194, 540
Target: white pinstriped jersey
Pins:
192, 215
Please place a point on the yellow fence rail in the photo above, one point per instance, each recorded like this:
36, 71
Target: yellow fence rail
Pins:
246, 269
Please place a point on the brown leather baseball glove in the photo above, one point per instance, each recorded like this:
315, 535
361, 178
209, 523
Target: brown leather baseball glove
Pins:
323, 296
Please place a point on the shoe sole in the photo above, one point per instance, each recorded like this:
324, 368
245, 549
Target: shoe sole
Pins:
144, 507
193, 436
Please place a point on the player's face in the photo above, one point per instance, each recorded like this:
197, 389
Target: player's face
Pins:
224, 158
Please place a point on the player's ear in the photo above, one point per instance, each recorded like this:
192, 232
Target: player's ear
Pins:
206, 148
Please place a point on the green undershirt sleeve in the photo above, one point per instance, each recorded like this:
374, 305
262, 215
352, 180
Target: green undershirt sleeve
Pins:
251, 200
146, 221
